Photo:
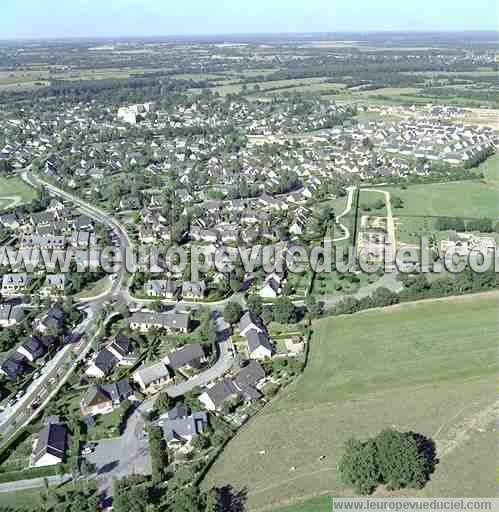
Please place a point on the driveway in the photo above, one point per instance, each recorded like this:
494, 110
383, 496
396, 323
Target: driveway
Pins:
121, 456
224, 363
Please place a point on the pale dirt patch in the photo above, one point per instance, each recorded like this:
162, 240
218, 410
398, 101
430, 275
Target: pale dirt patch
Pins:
461, 432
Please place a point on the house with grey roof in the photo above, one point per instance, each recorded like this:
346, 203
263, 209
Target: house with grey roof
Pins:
32, 349
10, 315
152, 378
103, 399
248, 378
164, 288
193, 290
170, 322
14, 366
54, 320
214, 397
188, 356
50, 446
259, 345
103, 364
250, 322
15, 284
118, 352
183, 429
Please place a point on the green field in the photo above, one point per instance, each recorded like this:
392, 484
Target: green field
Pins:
95, 289
29, 499
14, 191
469, 199
368, 198
428, 366
490, 168
321, 504
465, 199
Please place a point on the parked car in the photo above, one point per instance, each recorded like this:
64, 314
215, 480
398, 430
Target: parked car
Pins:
87, 450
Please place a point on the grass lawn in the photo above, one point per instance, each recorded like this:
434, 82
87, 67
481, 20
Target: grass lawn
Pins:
30, 499
428, 366
467, 199
14, 191
20, 455
95, 289
321, 504
105, 426
376, 116
369, 198
292, 85
338, 204
335, 283
299, 283
490, 168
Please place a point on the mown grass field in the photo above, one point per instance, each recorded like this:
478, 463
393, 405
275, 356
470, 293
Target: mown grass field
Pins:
428, 366
464, 199
321, 504
490, 168
30, 499
14, 191
468, 199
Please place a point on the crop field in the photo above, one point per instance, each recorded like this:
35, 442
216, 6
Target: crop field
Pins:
14, 191
295, 85
22, 80
428, 366
323, 88
23, 86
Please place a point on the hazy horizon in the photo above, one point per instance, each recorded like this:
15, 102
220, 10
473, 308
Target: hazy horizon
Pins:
87, 19
236, 35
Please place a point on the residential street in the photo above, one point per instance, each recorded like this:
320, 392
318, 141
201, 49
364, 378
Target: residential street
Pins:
60, 368
224, 363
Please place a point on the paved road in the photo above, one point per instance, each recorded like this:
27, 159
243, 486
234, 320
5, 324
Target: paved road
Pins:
33, 483
187, 304
51, 379
42, 390
122, 283
224, 363
63, 364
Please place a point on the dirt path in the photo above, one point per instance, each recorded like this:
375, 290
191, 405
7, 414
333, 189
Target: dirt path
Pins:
460, 432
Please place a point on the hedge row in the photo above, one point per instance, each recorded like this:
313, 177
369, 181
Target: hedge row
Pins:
27, 474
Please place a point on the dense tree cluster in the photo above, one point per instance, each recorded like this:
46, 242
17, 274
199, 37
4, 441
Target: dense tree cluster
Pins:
397, 460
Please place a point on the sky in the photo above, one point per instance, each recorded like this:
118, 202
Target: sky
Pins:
114, 18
